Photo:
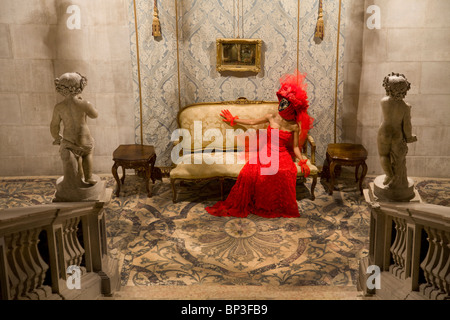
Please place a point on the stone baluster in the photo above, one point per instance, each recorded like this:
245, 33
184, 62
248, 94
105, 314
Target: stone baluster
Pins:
435, 259
34, 270
445, 272
394, 245
429, 262
398, 248
438, 271
69, 253
42, 266
73, 249
77, 245
15, 273
73, 246
20, 239
402, 248
19, 252
29, 269
437, 283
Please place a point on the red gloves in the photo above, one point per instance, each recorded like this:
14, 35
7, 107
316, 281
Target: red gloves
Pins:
228, 117
304, 167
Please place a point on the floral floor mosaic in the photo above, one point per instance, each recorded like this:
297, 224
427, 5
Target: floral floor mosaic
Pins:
161, 243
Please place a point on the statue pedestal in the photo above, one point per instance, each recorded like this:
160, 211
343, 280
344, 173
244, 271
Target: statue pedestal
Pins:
70, 192
387, 193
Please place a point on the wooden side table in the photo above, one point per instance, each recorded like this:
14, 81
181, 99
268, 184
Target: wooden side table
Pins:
134, 156
346, 154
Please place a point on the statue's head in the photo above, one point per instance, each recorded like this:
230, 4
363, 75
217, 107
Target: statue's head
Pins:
71, 83
396, 86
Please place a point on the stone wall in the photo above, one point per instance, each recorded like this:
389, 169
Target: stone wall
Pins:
36, 46
40, 40
354, 22
413, 40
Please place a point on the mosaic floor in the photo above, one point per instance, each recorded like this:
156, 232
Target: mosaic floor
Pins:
161, 243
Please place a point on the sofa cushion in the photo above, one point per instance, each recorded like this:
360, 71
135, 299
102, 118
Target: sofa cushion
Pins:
203, 168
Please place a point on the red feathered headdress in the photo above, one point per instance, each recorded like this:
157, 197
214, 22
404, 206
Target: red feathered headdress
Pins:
293, 89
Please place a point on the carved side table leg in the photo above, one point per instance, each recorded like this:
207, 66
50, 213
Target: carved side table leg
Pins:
356, 172
333, 176
326, 168
123, 175
148, 174
174, 192
116, 176
363, 175
152, 165
313, 185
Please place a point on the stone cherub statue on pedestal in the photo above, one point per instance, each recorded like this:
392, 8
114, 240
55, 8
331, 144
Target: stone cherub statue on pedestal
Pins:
393, 135
76, 142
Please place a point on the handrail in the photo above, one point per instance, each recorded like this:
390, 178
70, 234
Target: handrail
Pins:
410, 243
40, 244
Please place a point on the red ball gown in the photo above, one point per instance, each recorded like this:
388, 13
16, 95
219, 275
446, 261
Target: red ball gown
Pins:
268, 196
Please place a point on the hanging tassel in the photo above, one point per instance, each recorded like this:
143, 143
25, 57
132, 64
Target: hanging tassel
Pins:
320, 26
156, 26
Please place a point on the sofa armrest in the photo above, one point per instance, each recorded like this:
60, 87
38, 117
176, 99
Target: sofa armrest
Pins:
312, 144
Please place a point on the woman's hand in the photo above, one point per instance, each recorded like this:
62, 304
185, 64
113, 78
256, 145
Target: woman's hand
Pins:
305, 169
228, 117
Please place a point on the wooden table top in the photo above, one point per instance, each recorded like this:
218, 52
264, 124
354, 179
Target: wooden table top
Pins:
347, 151
133, 152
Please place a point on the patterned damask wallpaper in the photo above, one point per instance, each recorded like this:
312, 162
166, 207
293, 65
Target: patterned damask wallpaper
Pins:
200, 23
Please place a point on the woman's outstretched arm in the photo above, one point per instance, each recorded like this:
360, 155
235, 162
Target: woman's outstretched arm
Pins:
235, 120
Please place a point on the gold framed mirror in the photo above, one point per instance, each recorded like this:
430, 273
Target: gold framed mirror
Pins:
241, 55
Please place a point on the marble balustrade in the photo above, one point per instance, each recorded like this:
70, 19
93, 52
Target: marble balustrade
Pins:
39, 243
410, 242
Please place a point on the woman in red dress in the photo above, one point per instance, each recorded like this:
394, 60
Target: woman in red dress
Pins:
272, 195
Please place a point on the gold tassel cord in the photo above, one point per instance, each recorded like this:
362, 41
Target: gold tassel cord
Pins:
337, 70
138, 70
298, 33
156, 26
178, 55
320, 25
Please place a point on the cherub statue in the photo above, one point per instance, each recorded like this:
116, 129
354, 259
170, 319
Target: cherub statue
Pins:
76, 141
395, 131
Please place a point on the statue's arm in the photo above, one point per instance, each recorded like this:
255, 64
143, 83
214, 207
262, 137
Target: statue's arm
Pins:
86, 107
90, 110
407, 126
55, 126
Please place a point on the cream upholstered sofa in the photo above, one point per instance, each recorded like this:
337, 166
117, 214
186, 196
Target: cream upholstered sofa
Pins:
191, 144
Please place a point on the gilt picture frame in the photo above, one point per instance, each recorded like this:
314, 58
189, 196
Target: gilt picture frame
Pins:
239, 55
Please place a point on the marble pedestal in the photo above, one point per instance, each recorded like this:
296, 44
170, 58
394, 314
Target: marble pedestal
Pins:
387, 193
70, 192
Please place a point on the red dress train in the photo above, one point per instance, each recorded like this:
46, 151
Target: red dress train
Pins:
269, 196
